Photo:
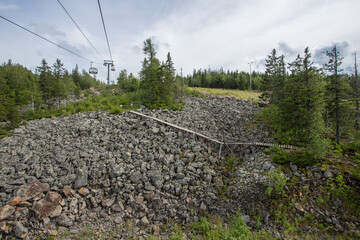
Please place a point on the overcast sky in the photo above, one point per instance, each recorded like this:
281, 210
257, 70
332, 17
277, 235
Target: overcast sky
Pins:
197, 33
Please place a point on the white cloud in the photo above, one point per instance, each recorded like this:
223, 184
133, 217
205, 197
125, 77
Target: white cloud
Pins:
198, 33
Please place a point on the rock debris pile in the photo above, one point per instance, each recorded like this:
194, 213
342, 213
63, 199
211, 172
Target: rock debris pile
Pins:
218, 117
66, 174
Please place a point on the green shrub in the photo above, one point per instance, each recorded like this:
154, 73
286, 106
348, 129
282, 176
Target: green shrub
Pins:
347, 194
272, 149
352, 147
299, 158
356, 171
277, 182
238, 230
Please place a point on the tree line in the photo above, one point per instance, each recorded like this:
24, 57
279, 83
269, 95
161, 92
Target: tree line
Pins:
209, 78
309, 105
43, 89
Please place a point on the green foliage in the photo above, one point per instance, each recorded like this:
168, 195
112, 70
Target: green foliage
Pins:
337, 90
128, 83
208, 78
230, 163
277, 182
193, 92
177, 233
272, 149
356, 171
299, 158
113, 103
238, 230
213, 229
347, 194
157, 79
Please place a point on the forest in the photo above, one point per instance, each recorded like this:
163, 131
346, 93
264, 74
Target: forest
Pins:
209, 78
19, 87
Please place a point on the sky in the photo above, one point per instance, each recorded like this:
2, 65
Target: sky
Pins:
197, 33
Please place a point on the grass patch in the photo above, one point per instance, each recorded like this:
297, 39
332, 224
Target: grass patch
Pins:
226, 92
114, 103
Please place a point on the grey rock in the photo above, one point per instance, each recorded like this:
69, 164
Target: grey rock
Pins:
339, 227
64, 220
81, 178
74, 231
118, 220
6, 211
20, 231
265, 216
246, 218
155, 130
328, 174
334, 220
136, 177
266, 166
293, 167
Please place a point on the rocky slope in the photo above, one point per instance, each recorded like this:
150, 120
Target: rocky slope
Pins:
99, 170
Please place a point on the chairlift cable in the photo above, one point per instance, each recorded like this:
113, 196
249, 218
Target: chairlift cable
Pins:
79, 28
107, 39
44, 38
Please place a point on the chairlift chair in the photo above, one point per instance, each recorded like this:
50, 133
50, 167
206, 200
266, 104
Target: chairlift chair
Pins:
92, 70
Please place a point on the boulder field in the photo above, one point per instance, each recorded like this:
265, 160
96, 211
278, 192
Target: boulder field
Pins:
97, 170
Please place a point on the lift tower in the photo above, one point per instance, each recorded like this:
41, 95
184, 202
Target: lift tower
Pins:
109, 63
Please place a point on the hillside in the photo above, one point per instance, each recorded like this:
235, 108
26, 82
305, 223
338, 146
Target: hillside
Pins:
97, 175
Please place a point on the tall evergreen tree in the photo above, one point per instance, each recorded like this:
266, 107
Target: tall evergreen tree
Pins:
152, 77
357, 99
59, 88
47, 81
303, 105
275, 76
337, 91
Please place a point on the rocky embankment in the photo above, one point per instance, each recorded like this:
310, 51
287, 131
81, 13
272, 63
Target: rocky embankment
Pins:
99, 171
222, 118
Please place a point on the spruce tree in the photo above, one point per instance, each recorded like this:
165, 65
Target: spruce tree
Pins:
275, 76
59, 85
337, 91
47, 81
303, 105
356, 95
156, 79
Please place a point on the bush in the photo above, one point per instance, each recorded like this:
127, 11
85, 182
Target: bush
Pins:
238, 230
277, 182
299, 158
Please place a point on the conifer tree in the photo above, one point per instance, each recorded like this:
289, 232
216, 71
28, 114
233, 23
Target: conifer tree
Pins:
275, 76
156, 79
303, 105
59, 85
337, 91
47, 82
356, 95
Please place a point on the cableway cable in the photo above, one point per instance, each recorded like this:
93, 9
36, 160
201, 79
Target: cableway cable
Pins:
107, 40
45, 39
79, 28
